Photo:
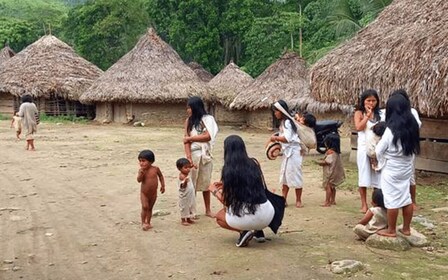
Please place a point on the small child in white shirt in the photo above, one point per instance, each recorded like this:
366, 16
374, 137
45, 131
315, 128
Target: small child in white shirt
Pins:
187, 196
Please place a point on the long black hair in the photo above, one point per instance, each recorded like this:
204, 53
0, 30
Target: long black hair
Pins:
241, 177
368, 93
197, 112
287, 117
402, 123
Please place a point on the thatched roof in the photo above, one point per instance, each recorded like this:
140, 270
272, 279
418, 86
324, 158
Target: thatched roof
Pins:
285, 79
227, 83
6, 53
203, 74
48, 66
152, 72
405, 47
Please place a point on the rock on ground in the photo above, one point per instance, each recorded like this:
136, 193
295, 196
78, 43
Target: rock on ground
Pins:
388, 243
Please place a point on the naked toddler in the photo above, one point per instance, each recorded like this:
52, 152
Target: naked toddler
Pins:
149, 176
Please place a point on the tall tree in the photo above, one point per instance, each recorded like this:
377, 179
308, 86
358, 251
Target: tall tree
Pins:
102, 31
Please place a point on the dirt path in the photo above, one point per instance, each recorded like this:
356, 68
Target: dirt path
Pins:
70, 210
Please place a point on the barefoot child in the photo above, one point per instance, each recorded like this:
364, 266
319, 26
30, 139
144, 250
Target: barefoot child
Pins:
375, 218
16, 122
187, 199
333, 171
148, 175
291, 175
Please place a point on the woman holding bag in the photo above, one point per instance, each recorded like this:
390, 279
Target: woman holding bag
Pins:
247, 209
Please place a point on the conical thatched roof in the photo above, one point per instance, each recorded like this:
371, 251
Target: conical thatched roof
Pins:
203, 74
48, 66
227, 83
6, 53
405, 47
152, 72
285, 79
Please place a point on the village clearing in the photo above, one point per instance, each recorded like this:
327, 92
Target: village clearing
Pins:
71, 210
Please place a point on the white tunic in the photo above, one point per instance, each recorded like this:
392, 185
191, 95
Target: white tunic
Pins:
187, 199
396, 173
366, 176
291, 169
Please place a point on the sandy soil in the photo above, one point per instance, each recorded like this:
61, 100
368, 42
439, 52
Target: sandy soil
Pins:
71, 210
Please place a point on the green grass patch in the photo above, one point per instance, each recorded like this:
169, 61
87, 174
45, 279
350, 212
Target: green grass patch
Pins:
62, 119
4, 118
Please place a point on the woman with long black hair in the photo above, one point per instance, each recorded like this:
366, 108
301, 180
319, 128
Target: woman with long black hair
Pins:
367, 114
241, 190
397, 149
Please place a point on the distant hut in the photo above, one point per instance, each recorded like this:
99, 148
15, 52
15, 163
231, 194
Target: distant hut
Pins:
6, 100
223, 90
150, 83
285, 79
203, 74
405, 47
6, 53
53, 74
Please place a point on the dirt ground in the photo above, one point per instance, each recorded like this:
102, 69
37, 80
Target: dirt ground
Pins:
71, 210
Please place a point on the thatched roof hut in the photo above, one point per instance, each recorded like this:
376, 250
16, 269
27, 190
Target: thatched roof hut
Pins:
48, 67
152, 72
6, 53
285, 79
405, 47
203, 74
227, 83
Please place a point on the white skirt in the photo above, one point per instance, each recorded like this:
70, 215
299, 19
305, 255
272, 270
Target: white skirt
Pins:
258, 221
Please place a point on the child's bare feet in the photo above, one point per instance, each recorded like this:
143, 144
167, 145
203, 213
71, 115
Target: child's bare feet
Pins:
363, 210
299, 204
415, 207
387, 233
210, 214
334, 203
184, 223
146, 227
190, 221
405, 232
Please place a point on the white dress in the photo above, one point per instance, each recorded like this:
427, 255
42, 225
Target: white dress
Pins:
366, 176
291, 169
201, 154
396, 173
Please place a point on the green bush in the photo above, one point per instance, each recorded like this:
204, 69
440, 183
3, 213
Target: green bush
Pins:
62, 119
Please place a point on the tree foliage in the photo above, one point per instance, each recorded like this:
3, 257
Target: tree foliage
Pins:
252, 33
23, 22
102, 31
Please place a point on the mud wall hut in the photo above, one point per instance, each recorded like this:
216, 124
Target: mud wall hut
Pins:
53, 74
286, 79
150, 84
7, 101
405, 47
224, 87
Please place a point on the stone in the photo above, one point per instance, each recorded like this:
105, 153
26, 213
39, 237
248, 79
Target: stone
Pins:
388, 243
346, 266
416, 239
423, 221
159, 213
